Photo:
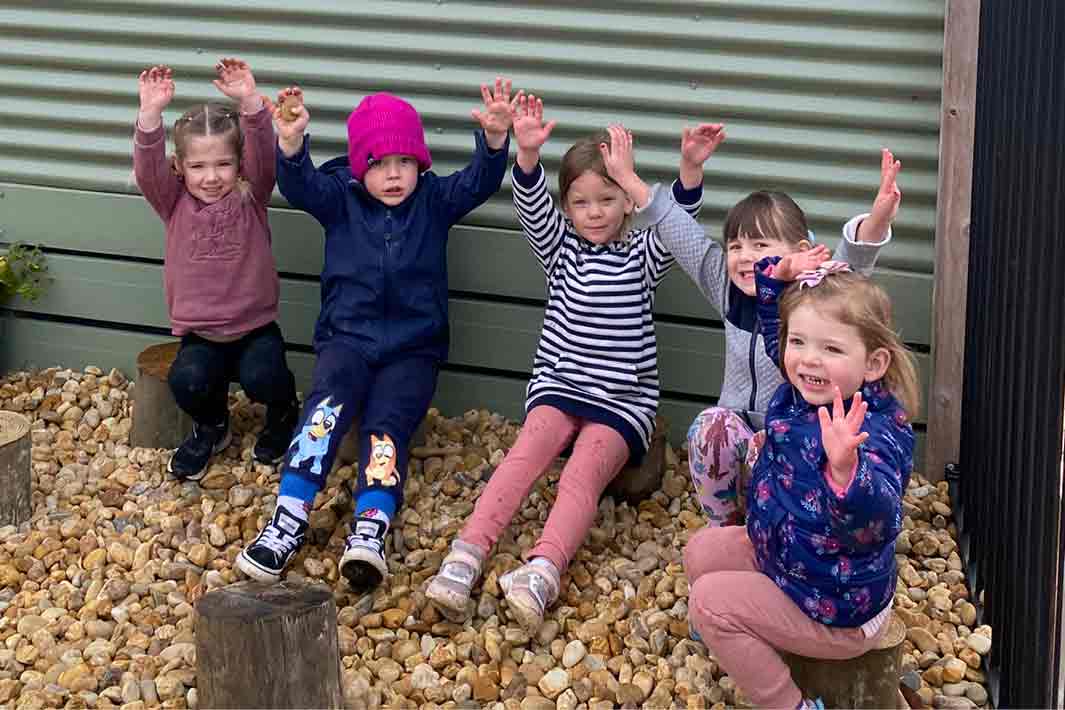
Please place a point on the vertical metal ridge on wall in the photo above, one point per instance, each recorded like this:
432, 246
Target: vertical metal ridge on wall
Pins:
809, 90
1012, 420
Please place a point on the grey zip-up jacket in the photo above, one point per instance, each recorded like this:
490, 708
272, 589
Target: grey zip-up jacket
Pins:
751, 377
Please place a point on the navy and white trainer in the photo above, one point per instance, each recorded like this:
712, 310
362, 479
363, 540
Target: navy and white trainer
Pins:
189, 462
278, 542
363, 563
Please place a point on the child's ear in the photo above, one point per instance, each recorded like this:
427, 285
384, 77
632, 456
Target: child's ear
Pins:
876, 364
175, 167
630, 205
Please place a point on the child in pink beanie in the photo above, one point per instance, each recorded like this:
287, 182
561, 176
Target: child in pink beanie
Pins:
383, 328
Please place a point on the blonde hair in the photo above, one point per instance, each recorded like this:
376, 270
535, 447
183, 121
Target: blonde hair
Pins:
857, 301
212, 119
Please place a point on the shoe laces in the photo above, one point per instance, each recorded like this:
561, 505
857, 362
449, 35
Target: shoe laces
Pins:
376, 543
277, 540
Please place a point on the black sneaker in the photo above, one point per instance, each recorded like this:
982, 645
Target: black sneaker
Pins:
276, 436
189, 462
279, 540
364, 562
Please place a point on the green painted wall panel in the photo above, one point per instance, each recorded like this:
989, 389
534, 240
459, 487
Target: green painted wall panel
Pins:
809, 91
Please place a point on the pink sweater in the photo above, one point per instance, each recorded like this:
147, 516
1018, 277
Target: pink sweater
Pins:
219, 272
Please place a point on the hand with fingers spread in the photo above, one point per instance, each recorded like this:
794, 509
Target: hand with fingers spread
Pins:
156, 88
498, 113
290, 119
696, 146
874, 228
620, 165
530, 131
236, 81
791, 265
841, 435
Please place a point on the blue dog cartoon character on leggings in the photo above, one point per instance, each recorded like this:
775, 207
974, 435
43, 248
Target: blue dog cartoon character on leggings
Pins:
313, 439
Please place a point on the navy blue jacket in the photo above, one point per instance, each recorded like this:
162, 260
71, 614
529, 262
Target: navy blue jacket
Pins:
833, 555
384, 280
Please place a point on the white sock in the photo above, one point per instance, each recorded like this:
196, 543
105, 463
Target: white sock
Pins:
294, 506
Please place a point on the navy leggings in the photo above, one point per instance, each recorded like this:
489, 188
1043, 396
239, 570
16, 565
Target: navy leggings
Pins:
389, 399
203, 369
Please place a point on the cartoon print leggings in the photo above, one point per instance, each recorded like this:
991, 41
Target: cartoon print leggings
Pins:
722, 450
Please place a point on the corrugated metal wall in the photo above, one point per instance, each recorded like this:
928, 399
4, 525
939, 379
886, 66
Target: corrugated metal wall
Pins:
809, 90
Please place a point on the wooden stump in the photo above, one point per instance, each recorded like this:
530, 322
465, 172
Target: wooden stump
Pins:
262, 645
635, 483
158, 422
869, 681
15, 503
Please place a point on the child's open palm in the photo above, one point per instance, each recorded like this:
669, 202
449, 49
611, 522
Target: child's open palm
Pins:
498, 113
530, 131
156, 86
699, 143
886, 204
617, 157
841, 435
791, 265
235, 79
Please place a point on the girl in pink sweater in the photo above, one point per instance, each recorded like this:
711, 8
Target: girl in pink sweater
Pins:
219, 273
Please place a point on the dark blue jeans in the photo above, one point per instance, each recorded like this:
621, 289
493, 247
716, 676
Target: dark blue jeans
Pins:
202, 371
389, 400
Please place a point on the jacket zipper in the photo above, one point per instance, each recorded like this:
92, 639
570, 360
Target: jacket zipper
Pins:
754, 373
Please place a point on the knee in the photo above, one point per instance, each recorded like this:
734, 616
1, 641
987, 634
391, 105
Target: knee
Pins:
708, 425
265, 382
191, 380
706, 610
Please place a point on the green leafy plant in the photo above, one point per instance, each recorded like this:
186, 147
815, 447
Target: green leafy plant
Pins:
23, 272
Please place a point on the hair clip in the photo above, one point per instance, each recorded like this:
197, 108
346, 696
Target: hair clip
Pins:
813, 277
810, 236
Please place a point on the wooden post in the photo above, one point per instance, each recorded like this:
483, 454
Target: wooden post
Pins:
636, 483
16, 502
261, 645
868, 681
158, 422
954, 199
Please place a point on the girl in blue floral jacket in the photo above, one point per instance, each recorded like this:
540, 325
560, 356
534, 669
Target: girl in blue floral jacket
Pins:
814, 571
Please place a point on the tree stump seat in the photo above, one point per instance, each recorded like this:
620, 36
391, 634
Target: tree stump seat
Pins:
16, 502
637, 480
158, 421
868, 681
261, 645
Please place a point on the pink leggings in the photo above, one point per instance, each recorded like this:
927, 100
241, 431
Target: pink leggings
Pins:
744, 617
599, 452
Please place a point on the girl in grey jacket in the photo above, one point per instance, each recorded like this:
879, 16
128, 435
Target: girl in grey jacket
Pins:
722, 444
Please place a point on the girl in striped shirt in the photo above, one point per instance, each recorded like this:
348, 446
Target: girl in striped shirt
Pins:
595, 373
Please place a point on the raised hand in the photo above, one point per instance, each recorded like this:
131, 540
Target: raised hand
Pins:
617, 157
886, 204
841, 435
498, 113
530, 131
236, 81
791, 265
156, 86
699, 143
290, 119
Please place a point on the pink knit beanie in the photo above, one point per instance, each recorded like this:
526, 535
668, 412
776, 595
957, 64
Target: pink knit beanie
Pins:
383, 124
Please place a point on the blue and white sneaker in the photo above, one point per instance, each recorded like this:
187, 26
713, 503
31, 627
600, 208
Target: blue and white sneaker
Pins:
277, 543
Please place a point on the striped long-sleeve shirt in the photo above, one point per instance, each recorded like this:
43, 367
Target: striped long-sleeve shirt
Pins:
597, 357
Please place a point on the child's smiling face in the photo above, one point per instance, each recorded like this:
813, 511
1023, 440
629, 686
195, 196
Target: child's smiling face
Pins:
823, 353
392, 178
209, 165
743, 252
